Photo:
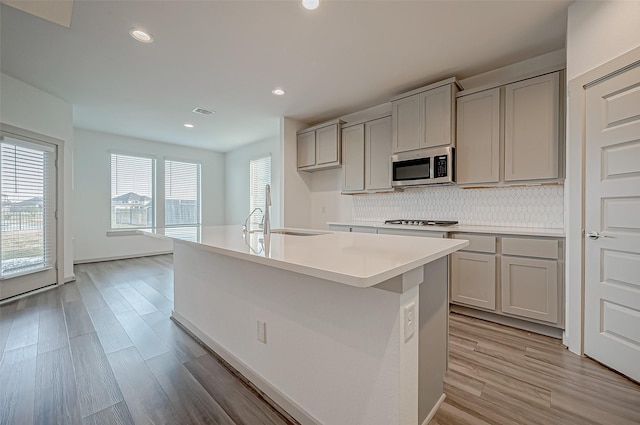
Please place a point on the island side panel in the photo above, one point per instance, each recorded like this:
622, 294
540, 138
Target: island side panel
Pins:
433, 337
334, 351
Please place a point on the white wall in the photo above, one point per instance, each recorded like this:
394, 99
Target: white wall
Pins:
327, 203
597, 32
236, 166
295, 187
93, 191
29, 108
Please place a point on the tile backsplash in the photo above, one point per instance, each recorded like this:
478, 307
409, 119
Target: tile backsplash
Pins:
530, 206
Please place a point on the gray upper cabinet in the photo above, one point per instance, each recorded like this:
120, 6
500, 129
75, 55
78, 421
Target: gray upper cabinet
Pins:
511, 134
478, 138
437, 116
424, 117
377, 154
307, 149
532, 110
366, 149
406, 124
353, 158
319, 147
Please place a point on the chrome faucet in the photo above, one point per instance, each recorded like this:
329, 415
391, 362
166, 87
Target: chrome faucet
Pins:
266, 228
246, 229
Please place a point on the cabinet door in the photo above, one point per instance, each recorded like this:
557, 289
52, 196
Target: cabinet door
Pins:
473, 279
531, 129
327, 145
530, 288
377, 154
478, 138
406, 124
353, 158
306, 149
436, 111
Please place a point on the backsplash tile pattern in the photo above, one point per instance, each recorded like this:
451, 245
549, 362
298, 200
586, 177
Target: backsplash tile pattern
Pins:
529, 206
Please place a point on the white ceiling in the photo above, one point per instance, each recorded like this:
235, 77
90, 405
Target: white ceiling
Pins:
229, 55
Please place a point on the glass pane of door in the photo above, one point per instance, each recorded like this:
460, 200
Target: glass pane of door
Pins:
27, 222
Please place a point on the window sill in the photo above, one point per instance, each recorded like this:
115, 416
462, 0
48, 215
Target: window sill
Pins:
124, 232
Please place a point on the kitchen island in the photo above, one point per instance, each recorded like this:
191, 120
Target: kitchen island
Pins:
335, 328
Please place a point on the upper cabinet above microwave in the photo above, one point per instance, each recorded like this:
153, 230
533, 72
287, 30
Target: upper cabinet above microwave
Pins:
319, 147
424, 117
511, 134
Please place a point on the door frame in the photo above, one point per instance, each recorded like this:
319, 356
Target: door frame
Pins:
30, 136
574, 196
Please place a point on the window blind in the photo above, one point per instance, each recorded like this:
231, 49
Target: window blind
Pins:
28, 224
182, 193
260, 176
132, 191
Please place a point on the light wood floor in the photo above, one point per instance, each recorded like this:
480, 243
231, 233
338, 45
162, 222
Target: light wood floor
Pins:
500, 375
102, 350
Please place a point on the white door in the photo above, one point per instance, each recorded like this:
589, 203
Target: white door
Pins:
612, 222
28, 220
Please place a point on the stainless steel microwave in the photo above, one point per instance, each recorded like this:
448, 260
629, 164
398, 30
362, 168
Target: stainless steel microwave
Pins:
423, 167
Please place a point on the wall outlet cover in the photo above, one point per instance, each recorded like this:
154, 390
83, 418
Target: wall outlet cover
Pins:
409, 314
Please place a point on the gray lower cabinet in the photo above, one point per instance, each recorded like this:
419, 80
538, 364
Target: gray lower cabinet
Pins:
473, 279
530, 288
515, 276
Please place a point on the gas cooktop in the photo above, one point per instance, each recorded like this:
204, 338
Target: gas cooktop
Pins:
422, 222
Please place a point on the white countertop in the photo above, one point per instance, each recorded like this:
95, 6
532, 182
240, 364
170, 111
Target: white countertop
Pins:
462, 228
355, 259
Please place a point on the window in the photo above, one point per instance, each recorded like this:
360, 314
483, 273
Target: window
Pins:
260, 176
132, 188
28, 233
182, 193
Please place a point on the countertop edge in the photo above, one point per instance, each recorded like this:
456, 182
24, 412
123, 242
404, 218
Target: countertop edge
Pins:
522, 231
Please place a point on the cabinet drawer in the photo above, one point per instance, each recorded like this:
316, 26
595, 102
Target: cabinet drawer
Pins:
478, 243
541, 248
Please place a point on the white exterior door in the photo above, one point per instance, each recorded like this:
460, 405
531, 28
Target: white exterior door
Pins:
28, 221
612, 222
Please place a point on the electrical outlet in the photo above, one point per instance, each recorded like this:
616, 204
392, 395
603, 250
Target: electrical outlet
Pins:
409, 320
262, 332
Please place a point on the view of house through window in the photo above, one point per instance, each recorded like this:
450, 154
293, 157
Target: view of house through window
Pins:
133, 184
182, 193
260, 176
132, 188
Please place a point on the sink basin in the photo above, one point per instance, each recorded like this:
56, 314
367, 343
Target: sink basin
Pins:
295, 232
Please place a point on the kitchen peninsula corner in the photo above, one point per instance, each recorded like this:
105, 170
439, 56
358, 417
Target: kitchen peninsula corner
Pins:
355, 324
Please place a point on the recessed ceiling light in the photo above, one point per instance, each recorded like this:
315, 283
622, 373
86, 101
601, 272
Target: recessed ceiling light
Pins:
310, 4
189, 125
278, 92
141, 35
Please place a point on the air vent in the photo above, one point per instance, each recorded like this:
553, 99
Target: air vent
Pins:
202, 111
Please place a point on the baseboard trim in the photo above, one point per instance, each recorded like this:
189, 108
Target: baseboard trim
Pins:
508, 321
283, 404
434, 410
120, 257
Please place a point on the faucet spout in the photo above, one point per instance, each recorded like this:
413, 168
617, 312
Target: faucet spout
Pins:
266, 229
245, 228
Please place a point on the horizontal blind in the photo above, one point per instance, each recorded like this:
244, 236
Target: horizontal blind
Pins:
132, 191
260, 176
182, 193
27, 182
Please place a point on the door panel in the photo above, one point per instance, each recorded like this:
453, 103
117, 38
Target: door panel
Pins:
28, 223
612, 208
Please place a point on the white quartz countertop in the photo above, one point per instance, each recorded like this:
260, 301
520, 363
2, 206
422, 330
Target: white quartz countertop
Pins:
461, 228
355, 259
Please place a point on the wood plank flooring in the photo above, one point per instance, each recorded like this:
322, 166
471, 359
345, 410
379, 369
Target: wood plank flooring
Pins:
102, 350
499, 375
